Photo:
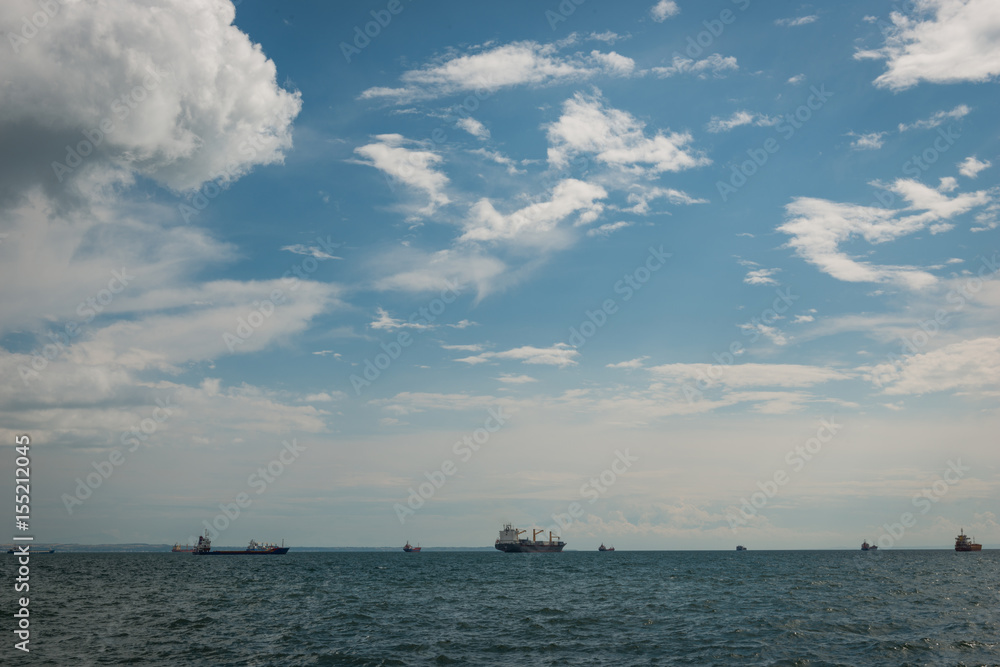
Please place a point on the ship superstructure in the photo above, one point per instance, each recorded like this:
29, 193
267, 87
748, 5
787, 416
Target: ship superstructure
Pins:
510, 541
964, 543
255, 548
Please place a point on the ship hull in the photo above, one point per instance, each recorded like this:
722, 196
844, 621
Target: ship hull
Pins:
971, 547
529, 548
277, 551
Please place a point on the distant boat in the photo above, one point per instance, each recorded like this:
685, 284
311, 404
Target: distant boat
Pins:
740, 547
963, 543
411, 549
182, 549
604, 548
868, 547
33, 551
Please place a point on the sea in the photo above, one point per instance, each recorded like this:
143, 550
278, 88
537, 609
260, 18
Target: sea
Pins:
478, 608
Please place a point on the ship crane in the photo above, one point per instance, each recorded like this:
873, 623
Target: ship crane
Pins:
550, 537
534, 533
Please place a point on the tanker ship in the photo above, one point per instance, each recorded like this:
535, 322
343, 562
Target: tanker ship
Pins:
963, 543
204, 548
510, 541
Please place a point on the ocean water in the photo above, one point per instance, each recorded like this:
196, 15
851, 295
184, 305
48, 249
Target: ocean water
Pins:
575, 608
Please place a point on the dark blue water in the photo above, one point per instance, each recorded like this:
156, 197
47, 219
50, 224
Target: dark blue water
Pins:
622, 608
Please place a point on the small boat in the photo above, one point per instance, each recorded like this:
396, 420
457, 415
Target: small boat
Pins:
410, 549
868, 547
963, 543
604, 548
32, 551
740, 547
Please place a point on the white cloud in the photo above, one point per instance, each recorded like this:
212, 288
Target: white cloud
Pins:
867, 142
750, 375
797, 79
500, 159
463, 324
970, 167
310, 251
967, 366
936, 119
616, 138
416, 168
800, 319
942, 41
718, 124
560, 355
388, 323
663, 10
773, 334
817, 228
474, 127
473, 347
490, 69
761, 277
716, 64
165, 56
630, 365
535, 224
452, 268
510, 378
642, 195
609, 228
802, 20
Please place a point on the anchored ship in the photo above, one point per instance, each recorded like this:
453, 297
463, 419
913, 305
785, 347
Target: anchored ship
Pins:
204, 548
963, 543
740, 547
868, 547
411, 549
604, 548
182, 549
510, 541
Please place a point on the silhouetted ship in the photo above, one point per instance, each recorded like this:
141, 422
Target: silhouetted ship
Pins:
740, 547
204, 548
510, 541
963, 543
868, 547
411, 549
604, 548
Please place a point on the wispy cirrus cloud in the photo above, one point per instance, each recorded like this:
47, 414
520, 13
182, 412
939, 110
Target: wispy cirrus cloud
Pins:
935, 119
795, 22
560, 355
738, 118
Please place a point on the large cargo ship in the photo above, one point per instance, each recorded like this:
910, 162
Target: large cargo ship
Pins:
204, 548
963, 543
410, 549
510, 541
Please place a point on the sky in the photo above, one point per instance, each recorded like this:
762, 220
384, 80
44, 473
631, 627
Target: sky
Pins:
666, 275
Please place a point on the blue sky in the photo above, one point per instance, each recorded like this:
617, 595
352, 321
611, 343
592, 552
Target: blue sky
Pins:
612, 269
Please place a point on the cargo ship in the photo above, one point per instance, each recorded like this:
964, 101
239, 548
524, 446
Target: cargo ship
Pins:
963, 543
182, 549
868, 547
510, 541
740, 547
204, 548
410, 549
604, 548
